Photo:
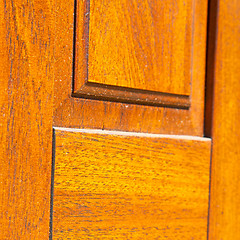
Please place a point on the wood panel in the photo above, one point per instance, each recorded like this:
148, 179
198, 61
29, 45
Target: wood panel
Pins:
117, 185
81, 112
225, 170
26, 36
135, 51
141, 44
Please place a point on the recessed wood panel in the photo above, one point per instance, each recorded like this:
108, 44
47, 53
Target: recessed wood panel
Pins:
141, 44
120, 186
135, 51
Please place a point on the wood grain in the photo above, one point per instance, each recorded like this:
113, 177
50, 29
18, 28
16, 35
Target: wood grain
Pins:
86, 88
141, 44
225, 170
81, 113
26, 94
115, 186
134, 52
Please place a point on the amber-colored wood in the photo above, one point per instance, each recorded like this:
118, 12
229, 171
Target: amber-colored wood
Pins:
138, 45
225, 171
120, 186
87, 113
26, 75
141, 44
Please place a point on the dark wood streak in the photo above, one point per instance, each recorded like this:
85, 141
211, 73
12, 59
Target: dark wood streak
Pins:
132, 96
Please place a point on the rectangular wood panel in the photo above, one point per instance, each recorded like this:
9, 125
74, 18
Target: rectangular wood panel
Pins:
141, 44
135, 51
119, 185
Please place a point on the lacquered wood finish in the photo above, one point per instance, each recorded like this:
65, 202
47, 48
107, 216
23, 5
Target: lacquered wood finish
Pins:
141, 44
85, 88
225, 171
135, 51
130, 186
87, 113
26, 94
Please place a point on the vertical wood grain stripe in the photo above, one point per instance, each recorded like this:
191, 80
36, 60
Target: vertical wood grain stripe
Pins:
225, 171
26, 75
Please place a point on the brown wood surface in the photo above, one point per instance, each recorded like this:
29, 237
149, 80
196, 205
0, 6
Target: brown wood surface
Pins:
87, 113
26, 56
132, 87
110, 185
132, 96
141, 44
225, 170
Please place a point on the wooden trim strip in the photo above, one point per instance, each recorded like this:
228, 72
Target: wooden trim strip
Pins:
224, 220
127, 95
136, 134
26, 100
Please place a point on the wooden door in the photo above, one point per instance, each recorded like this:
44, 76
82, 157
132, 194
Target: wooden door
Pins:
137, 78
102, 119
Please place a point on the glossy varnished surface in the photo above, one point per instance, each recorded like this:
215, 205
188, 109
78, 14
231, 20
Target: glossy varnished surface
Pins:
121, 57
86, 113
225, 180
141, 44
125, 186
26, 75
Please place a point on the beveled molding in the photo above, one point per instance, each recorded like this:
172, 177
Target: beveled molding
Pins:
127, 95
82, 88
